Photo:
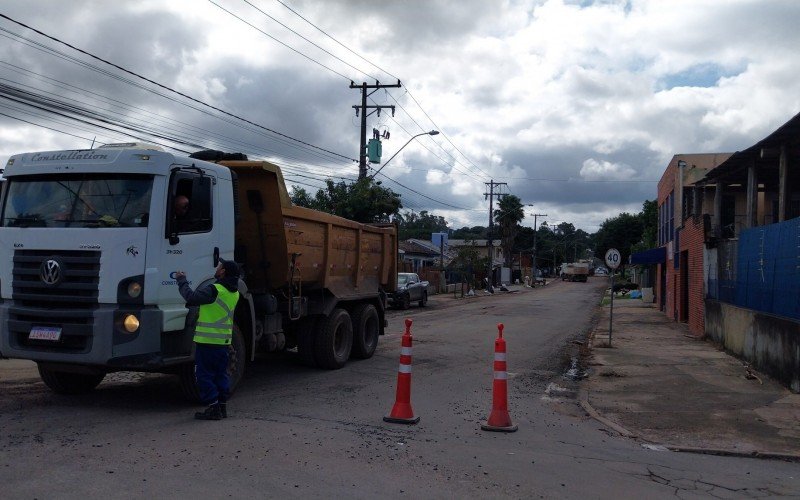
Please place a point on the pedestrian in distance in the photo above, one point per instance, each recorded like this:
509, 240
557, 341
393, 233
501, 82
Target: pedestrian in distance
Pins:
213, 335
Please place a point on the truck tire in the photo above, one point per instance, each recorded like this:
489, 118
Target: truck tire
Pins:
405, 301
365, 331
305, 333
334, 340
237, 363
68, 382
424, 299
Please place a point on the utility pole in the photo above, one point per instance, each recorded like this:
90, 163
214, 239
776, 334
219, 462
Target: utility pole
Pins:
491, 194
533, 264
362, 153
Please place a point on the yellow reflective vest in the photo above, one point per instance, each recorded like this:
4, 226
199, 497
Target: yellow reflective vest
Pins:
215, 324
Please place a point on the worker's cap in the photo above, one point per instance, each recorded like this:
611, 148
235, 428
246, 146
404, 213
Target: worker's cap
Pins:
231, 268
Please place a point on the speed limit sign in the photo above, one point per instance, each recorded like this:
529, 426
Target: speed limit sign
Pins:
613, 258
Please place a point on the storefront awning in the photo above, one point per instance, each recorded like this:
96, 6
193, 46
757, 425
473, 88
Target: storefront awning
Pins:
650, 257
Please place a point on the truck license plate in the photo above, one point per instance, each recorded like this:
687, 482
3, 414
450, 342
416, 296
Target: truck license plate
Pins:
45, 333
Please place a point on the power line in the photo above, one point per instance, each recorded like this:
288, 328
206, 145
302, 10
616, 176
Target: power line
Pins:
575, 180
301, 36
424, 196
390, 95
337, 41
44, 126
443, 134
185, 96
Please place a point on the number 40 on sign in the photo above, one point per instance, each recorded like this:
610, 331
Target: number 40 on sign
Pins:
613, 258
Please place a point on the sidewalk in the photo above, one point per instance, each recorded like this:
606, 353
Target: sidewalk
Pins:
659, 385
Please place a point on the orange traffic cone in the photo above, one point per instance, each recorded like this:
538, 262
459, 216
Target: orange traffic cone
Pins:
499, 419
402, 412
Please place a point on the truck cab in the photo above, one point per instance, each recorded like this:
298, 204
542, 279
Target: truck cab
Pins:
91, 245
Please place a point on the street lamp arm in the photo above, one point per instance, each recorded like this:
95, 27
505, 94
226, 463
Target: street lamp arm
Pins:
432, 132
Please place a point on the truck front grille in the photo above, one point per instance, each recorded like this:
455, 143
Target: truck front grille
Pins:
64, 279
63, 295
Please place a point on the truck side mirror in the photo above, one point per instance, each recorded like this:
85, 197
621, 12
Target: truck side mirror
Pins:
173, 239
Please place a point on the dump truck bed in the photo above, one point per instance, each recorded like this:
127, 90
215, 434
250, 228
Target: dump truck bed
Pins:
347, 258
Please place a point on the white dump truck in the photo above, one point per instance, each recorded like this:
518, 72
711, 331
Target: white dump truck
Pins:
91, 245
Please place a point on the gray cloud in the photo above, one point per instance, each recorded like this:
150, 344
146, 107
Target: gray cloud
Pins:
527, 90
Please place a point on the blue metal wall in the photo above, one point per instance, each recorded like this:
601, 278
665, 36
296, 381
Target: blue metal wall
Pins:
767, 270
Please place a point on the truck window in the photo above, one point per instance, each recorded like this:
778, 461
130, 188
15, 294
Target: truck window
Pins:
78, 200
190, 204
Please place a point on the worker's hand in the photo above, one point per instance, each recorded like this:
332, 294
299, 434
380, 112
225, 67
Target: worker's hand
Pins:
179, 275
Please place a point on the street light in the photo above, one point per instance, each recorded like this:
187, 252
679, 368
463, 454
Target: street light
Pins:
432, 132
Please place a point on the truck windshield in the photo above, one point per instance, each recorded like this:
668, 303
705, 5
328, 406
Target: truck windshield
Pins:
402, 279
78, 200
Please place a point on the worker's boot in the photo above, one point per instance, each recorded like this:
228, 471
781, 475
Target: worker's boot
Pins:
223, 410
211, 413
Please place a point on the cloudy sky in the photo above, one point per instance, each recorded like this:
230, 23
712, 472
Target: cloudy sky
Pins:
577, 105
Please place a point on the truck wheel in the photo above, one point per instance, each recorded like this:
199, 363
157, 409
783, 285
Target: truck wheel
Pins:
69, 383
334, 340
305, 333
237, 363
405, 302
424, 299
365, 331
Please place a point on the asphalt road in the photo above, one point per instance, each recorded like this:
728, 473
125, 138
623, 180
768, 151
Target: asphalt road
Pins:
299, 432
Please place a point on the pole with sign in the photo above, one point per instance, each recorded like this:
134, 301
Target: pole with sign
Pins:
613, 259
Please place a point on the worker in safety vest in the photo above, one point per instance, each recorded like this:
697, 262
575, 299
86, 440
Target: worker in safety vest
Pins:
213, 335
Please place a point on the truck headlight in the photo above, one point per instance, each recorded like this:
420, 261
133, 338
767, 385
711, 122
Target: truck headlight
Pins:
134, 289
130, 323
131, 290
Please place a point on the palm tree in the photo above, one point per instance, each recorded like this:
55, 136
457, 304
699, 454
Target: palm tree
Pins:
508, 214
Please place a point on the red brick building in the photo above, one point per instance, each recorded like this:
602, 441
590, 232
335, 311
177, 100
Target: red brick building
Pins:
680, 277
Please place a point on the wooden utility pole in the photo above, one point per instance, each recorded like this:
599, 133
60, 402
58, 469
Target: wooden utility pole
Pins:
362, 108
491, 194
533, 264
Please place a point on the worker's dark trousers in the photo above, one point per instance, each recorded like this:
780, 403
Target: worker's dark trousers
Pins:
211, 371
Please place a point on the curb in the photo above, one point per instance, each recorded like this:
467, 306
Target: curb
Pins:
583, 397
768, 455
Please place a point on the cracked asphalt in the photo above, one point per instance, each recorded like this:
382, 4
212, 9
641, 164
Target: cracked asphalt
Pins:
298, 432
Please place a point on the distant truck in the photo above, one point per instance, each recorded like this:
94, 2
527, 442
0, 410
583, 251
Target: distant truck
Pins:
575, 271
91, 245
409, 289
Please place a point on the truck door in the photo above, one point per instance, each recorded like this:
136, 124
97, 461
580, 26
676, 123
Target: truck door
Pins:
190, 240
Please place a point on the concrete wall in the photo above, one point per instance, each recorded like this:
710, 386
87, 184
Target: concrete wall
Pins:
770, 343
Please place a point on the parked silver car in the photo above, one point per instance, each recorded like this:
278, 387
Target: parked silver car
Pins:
409, 289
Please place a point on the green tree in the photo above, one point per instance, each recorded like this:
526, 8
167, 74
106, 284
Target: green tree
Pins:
300, 197
413, 225
364, 200
649, 216
508, 214
471, 233
621, 232
467, 261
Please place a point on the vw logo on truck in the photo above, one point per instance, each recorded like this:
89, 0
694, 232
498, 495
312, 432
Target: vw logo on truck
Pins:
50, 272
